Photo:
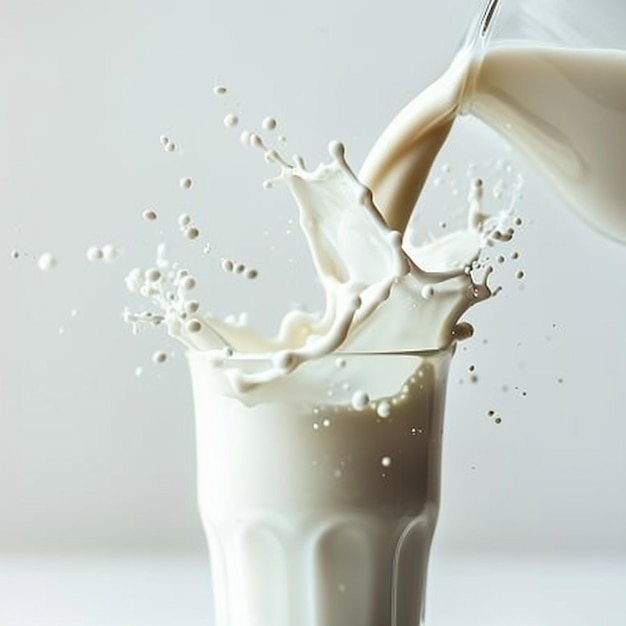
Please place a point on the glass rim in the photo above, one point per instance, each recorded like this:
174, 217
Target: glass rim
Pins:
252, 357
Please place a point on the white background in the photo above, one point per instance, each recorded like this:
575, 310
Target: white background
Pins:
93, 458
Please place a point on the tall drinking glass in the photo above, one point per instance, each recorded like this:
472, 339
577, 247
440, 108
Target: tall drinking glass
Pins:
319, 504
550, 76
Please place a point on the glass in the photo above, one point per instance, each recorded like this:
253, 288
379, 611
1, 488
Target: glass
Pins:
319, 505
550, 76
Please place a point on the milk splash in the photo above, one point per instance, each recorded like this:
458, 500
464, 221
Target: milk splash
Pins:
382, 294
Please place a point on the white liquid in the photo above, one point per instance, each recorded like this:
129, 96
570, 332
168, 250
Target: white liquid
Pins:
566, 109
318, 482
321, 514
399, 162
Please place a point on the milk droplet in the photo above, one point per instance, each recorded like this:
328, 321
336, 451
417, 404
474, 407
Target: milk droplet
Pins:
383, 409
15, 254
149, 215
188, 283
251, 274
245, 137
193, 326
255, 141
340, 362
184, 219
326, 423
153, 275
360, 400
231, 120
46, 262
171, 146
269, 123
520, 275
164, 140
337, 150
191, 306
185, 183
386, 461
109, 253
191, 232
138, 371
228, 265
160, 356
219, 90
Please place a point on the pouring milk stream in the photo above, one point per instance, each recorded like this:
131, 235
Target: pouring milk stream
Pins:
565, 108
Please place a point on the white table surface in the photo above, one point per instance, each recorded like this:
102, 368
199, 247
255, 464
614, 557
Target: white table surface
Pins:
174, 590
